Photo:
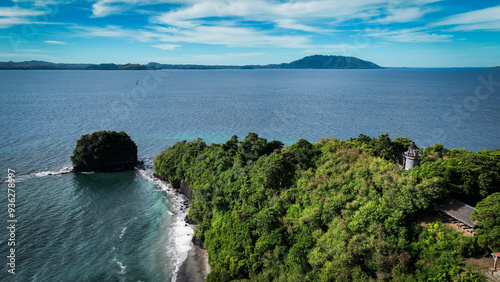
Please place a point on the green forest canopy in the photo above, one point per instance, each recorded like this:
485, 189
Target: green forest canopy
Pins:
104, 150
326, 211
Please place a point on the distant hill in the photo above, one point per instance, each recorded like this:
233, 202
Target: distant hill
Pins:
42, 65
496, 67
310, 62
328, 62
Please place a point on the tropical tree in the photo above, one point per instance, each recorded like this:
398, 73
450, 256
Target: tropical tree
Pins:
488, 219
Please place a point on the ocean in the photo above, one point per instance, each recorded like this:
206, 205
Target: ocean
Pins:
128, 226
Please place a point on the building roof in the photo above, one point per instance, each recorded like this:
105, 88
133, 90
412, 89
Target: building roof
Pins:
459, 211
412, 146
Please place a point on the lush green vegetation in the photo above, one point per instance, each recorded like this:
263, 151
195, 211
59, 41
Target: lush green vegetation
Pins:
467, 176
104, 150
328, 211
488, 217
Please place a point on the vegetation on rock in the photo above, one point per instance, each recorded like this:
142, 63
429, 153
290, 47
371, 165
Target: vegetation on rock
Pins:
104, 151
328, 211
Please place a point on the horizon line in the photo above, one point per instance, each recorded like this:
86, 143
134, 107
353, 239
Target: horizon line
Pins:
236, 66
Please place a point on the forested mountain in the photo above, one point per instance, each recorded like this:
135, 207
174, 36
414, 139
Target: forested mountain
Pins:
329, 62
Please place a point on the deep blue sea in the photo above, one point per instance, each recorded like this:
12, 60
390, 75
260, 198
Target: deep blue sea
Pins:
127, 226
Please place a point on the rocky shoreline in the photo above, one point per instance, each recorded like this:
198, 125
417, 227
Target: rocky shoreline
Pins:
195, 267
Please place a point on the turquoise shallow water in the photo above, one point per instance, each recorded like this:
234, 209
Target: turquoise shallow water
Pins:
126, 226
92, 228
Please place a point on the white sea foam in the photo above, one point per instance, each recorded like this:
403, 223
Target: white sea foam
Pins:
146, 170
123, 268
123, 232
66, 169
181, 233
180, 237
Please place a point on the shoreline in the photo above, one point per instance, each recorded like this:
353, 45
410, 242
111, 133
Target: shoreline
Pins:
195, 267
190, 262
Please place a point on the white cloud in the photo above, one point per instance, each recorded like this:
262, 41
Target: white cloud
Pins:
235, 37
304, 14
405, 14
422, 37
100, 9
19, 12
8, 22
25, 56
292, 24
167, 46
415, 35
11, 55
43, 3
306, 11
484, 19
336, 48
214, 35
231, 22
113, 31
11, 16
259, 23
212, 59
32, 50
103, 8
55, 42
488, 14
491, 25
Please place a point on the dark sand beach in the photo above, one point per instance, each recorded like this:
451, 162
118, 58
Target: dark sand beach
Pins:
195, 267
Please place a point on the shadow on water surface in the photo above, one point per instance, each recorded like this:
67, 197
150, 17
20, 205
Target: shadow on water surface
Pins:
104, 183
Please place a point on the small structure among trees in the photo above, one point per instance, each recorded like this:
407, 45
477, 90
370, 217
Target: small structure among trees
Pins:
493, 271
459, 214
411, 157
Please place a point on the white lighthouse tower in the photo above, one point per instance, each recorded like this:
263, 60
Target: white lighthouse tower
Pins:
411, 157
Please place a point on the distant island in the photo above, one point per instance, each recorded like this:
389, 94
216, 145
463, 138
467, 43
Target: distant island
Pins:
309, 62
498, 67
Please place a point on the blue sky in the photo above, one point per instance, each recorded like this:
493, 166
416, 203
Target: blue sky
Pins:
418, 33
